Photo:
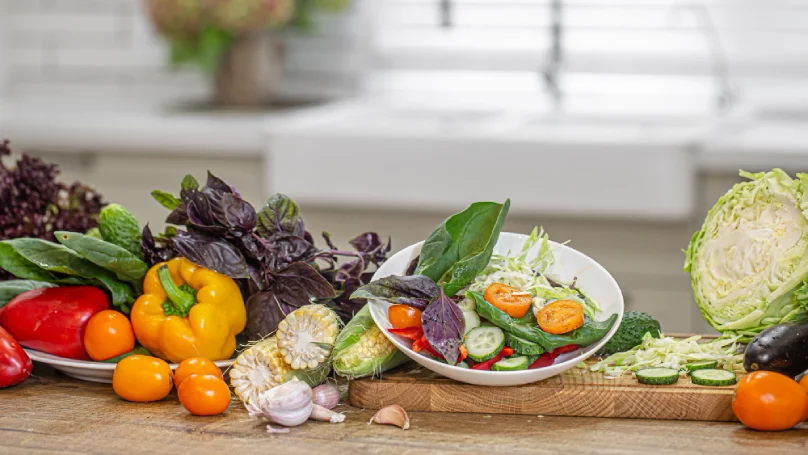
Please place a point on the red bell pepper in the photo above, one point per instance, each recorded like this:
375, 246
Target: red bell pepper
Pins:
411, 333
463, 353
15, 365
488, 363
53, 320
547, 359
506, 351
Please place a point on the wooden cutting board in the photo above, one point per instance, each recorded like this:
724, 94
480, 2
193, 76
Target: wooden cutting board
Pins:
576, 392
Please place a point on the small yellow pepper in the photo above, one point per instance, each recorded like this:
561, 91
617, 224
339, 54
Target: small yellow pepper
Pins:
188, 311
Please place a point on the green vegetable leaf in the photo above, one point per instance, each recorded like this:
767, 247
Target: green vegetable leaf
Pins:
167, 200
139, 350
460, 248
59, 258
12, 288
125, 265
585, 335
15, 264
189, 183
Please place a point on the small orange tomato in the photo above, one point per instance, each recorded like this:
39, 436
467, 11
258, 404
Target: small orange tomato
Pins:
108, 334
509, 299
404, 316
769, 401
195, 365
142, 378
804, 382
204, 395
561, 316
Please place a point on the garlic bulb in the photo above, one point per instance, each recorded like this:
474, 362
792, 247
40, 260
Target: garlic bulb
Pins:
290, 404
326, 395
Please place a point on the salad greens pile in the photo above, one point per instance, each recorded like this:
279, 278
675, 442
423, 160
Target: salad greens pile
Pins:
465, 306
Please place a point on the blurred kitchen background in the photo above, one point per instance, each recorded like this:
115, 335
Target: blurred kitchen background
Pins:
615, 124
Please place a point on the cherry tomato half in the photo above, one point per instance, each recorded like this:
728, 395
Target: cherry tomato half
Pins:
561, 316
204, 394
509, 299
404, 316
108, 334
142, 378
195, 365
769, 401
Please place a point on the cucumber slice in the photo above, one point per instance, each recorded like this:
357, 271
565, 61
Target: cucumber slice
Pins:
713, 377
519, 362
463, 365
467, 304
484, 343
658, 376
472, 320
523, 346
703, 365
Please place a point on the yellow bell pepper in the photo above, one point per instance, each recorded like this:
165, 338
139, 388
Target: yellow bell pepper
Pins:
188, 311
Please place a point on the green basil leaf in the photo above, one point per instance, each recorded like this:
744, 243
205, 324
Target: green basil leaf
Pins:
189, 183
12, 288
460, 248
583, 336
15, 264
125, 265
280, 214
58, 258
167, 200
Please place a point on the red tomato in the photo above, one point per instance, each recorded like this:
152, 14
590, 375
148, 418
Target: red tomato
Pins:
403, 316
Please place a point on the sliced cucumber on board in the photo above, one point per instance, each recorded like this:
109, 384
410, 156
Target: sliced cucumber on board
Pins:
484, 343
704, 365
658, 376
713, 377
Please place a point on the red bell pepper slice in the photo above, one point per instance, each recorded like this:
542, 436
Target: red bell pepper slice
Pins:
411, 333
547, 359
422, 344
506, 351
463, 353
488, 363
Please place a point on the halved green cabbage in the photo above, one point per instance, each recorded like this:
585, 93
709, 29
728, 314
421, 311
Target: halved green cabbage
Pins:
748, 263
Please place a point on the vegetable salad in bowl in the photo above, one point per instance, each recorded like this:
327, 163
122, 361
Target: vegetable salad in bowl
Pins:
492, 308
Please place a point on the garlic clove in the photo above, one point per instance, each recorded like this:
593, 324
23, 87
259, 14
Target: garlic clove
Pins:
392, 415
326, 395
326, 415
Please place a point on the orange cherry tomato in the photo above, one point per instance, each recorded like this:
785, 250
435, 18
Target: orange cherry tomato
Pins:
108, 334
204, 395
142, 378
404, 316
509, 299
804, 382
561, 316
195, 365
769, 401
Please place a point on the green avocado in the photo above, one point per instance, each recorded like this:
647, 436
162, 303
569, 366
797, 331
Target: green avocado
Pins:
119, 226
634, 326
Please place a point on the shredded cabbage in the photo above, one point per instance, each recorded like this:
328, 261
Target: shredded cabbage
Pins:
673, 353
529, 275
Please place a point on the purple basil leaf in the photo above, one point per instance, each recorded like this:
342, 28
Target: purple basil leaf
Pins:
412, 266
306, 234
239, 215
264, 313
416, 291
189, 185
299, 283
212, 253
154, 253
280, 215
259, 277
443, 327
367, 242
220, 185
350, 271
252, 247
178, 216
288, 249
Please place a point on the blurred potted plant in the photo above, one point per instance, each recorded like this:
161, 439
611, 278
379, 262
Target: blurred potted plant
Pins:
237, 42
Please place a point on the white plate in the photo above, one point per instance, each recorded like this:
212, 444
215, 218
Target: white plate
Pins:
92, 371
569, 264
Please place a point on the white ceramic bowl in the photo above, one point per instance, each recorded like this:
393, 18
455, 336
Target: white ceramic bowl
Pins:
92, 371
569, 264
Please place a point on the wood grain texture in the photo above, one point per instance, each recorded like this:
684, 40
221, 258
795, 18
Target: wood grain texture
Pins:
51, 413
576, 392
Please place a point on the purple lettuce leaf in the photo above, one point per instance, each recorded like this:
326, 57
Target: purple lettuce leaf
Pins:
444, 324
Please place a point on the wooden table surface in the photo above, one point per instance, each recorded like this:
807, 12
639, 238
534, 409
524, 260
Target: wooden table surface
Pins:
53, 413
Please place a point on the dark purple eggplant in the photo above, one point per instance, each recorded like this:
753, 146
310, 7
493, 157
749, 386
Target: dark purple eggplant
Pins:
782, 348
